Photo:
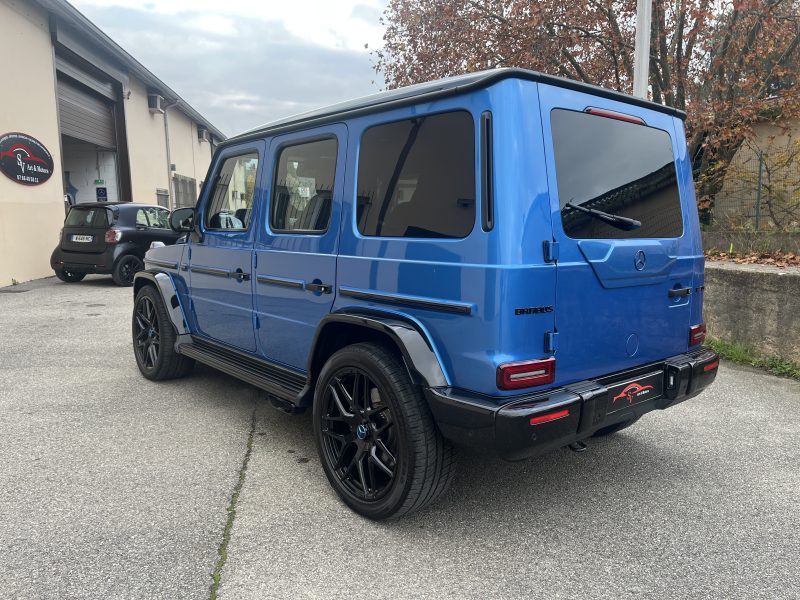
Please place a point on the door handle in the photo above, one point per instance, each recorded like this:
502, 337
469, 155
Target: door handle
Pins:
680, 292
322, 288
240, 275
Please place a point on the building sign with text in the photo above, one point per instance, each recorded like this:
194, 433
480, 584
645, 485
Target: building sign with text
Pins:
24, 159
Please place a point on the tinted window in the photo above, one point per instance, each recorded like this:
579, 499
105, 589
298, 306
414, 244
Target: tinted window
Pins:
416, 178
304, 187
231, 200
87, 217
616, 167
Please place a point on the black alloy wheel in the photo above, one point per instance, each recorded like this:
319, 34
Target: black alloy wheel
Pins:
69, 276
376, 438
154, 338
126, 268
358, 439
146, 333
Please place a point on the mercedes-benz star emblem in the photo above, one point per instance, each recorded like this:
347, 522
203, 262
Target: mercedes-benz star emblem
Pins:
639, 260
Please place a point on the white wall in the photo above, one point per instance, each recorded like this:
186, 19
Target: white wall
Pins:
28, 105
147, 147
190, 156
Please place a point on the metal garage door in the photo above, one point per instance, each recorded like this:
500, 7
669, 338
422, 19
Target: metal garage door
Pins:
85, 116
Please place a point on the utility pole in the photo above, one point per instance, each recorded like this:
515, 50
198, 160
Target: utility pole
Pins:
641, 53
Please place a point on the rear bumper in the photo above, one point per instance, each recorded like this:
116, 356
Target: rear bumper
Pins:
87, 262
582, 408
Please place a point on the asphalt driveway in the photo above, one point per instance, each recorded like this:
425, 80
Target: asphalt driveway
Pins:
115, 487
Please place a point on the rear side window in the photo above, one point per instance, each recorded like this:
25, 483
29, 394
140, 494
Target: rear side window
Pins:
416, 178
616, 167
96, 217
232, 198
304, 187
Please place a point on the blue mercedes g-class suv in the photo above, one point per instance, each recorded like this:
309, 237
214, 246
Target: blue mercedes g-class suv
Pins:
503, 259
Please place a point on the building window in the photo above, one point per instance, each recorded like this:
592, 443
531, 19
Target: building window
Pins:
185, 191
304, 187
231, 201
162, 197
416, 178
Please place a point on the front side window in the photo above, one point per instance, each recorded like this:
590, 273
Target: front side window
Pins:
304, 187
157, 217
231, 202
416, 178
619, 168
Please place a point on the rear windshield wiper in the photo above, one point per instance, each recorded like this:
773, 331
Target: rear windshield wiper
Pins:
623, 223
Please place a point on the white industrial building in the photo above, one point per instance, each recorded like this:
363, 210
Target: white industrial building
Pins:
81, 118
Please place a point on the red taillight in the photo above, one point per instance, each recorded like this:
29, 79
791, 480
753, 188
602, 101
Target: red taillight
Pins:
553, 416
512, 376
113, 236
612, 114
710, 366
697, 334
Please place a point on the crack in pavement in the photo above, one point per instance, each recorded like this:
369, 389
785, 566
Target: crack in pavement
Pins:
222, 551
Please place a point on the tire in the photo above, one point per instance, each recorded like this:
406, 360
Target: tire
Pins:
151, 328
126, 267
391, 426
68, 277
611, 429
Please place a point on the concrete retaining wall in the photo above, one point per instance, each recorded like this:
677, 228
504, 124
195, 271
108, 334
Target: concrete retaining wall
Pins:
756, 305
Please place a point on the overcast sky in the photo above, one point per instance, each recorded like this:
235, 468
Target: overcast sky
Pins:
243, 63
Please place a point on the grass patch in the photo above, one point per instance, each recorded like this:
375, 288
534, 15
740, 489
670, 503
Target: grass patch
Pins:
226, 533
742, 353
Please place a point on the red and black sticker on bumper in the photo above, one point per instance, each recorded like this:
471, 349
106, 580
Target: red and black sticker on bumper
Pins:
632, 392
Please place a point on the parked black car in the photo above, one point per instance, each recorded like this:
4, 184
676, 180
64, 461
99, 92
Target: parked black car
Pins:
109, 238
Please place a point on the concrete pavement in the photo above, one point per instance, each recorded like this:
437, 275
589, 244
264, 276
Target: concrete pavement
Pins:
115, 487
701, 501
111, 486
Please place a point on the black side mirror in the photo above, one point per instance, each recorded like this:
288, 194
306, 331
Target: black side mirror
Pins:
182, 220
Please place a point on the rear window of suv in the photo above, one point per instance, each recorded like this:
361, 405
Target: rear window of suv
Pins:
621, 168
90, 216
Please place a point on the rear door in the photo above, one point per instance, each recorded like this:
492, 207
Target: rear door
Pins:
622, 296
85, 228
298, 241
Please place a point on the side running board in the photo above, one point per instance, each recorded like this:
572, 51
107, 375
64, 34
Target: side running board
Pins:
275, 379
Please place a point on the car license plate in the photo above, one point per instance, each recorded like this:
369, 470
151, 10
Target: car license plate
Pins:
636, 391
82, 238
